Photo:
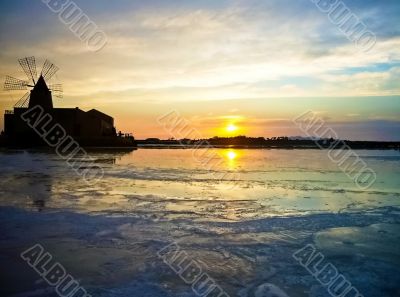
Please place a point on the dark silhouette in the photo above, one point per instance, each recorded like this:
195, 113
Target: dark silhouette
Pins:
91, 128
269, 143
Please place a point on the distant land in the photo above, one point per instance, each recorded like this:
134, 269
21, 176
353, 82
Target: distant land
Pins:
269, 143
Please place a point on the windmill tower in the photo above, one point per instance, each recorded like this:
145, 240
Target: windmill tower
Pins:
40, 93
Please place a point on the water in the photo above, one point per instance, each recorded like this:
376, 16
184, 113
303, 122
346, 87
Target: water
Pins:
242, 233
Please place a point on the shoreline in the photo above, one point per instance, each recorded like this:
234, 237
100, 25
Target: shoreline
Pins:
158, 146
194, 147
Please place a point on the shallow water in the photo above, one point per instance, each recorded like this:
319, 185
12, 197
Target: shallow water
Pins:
242, 232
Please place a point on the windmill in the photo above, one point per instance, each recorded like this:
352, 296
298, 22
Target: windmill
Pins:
36, 84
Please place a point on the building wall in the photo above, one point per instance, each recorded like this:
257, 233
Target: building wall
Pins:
77, 123
83, 124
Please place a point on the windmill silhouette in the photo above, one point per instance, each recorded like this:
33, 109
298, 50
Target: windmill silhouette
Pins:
40, 93
88, 128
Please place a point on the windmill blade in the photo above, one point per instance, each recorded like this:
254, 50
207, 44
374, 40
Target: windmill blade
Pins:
13, 83
48, 70
28, 64
23, 102
57, 90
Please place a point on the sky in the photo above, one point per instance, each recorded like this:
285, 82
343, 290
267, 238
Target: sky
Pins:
251, 65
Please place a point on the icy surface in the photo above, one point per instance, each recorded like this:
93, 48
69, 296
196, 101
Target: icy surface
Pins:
243, 233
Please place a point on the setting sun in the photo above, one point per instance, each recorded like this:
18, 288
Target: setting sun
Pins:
231, 128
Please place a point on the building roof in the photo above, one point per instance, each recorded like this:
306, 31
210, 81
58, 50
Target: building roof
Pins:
41, 84
97, 113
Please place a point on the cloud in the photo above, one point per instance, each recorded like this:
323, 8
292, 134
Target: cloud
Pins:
211, 48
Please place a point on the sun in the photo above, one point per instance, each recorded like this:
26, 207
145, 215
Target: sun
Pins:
231, 128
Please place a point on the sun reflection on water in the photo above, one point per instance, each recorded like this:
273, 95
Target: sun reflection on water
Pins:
231, 157
231, 154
